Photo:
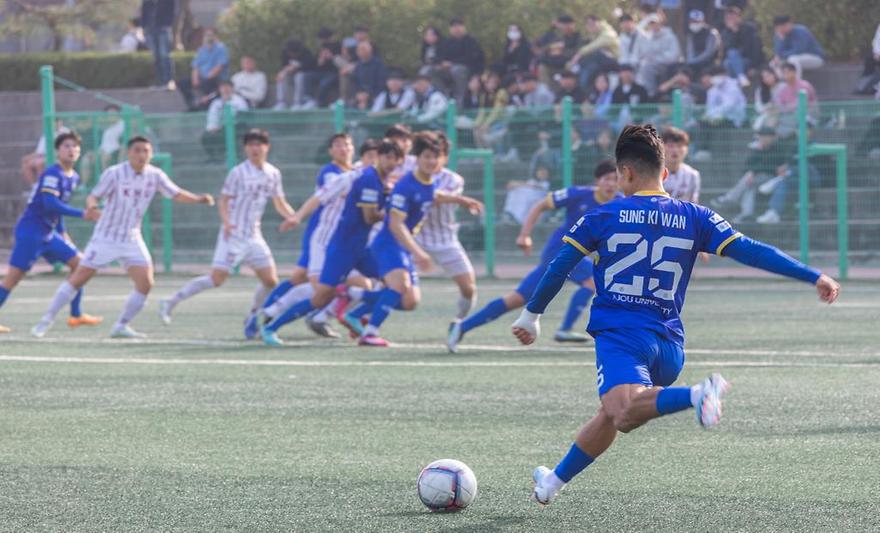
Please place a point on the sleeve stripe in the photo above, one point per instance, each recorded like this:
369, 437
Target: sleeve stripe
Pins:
552, 201
401, 211
50, 191
727, 241
576, 244
367, 204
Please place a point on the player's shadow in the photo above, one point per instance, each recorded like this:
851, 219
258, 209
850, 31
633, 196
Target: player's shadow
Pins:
837, 430
488, 524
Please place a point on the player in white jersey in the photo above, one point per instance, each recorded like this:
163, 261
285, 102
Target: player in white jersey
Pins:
402, 136
247, 189
683, 182
439, 235
127, 189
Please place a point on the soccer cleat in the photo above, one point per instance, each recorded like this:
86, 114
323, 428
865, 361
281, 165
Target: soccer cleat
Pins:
270, 338
322, 329
354, 325
341, 303
252, 326
708, 405
165, 312
126, 332
564, 335
455, 336
39, 331
373, 340
4, 329
84, 320
543, 494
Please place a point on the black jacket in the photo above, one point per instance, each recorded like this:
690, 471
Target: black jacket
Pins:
519, 59
747, 40
465, 51
157, 13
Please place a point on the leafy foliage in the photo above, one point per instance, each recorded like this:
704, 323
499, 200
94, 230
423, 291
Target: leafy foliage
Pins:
80, 20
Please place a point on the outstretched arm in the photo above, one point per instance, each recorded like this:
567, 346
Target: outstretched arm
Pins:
55, 205
186, 197
524, 239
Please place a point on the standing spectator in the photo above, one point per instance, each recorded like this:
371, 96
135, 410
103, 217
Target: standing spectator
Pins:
396, 98
631, 40
628, 91
250, 82
787, 100
322, 83
157, 17
213, 137
795, 44
431, 43
569, 86
209, 68
743, 50
133, 40
429, 104
297, 62
703, 48
766, 96
660, 53
370, 73
460, 56
683, 182
867, 84
535, 95
556, 47
600, 52
517, 55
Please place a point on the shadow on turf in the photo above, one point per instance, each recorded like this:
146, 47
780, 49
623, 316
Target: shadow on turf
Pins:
836, 430
488, 523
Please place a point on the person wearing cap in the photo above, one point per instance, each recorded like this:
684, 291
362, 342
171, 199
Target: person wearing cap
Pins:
795, 44
660, 52
600, 52
703, 46
396, 97
741, 41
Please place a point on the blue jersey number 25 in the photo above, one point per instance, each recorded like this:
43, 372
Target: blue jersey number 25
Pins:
641, 252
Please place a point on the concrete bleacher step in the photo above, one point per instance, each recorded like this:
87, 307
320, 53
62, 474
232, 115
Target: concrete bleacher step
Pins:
835, 81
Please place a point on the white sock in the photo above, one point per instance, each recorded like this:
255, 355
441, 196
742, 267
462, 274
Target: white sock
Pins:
63, 296
371, 330
303, 291
259, 297
552, 481
193, 287
356, 293
695, 393
323, 315
132, 307
465, 305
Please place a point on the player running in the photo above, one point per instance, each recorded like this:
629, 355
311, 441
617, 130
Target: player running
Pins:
646, 245
247, 188
576, 201
40, 230
128, 189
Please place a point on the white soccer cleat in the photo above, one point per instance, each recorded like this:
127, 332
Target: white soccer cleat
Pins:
165, 312
708, 405
455, 336
564, 335
126, 332
39, 331
543, 494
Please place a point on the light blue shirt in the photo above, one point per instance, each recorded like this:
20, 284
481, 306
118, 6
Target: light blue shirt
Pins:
209, 57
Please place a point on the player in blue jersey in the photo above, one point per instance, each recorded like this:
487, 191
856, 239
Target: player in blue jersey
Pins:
576, 201
347, 250
645, 246
40, 230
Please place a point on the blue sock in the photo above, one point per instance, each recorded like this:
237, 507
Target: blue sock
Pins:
297, 310
371, 297
75, 310
4, 294
673, 399
487, 314
579, 301
572, 464
277, 292
389, 299
361, 310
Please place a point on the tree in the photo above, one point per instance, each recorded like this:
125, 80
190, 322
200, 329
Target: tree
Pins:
79, 19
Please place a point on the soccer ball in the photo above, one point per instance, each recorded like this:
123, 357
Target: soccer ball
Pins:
447, 485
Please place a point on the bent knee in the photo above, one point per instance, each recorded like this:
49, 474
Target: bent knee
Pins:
625, 420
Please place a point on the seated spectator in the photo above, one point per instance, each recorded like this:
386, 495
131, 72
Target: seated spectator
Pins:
552, 62
628, 91
600, 52
209, 68
535, 95
92, 164
33, 164
517, 55
795, 44
522, 195
361, 34
692, 93
369, 73
297, 62
489, 124
430, 104
362, 101
683, 182
556, 47
868, 83
725, 109
250, 82
568, 86
766, 96
213, 140
133, 40
743, 50
597, 149
431, 43
779, 186
460, 56
473, 95
786, 101
703, 48
869, 145
514, 93
631, 40
601, 96
396, 98
322, 84
660, 53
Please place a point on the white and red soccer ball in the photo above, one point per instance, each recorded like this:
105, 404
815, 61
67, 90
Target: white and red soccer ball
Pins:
447, 485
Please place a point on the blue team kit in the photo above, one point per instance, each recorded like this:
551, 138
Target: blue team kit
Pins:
326, 170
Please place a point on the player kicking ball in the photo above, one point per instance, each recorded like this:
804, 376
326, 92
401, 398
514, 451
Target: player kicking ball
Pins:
128, 189
576, 201
646, 245
40, 230
247, 189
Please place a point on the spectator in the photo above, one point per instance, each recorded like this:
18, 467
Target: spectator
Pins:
362, 101
157, 17
868, 83
743, 50
133, 40
683, 80
370, 73
703, 48
209, 68
522, 195
556, 47
631, 40
600, 52
474, 93
725, 108
431, 43
766, 96
628, 91
599, 98
322, 84
460, 56
683, 182
795, 44
552, 62
250, 82
787, 100
297, 62
489, 126
660, 52
514, 93
517, 55
535, 95
213, 137
568, 86
429, 104
396, 98
361, 34
33, 164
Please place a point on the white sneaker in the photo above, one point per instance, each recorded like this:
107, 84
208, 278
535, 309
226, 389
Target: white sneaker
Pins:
543, 494
708, 405
280, 106
770, 217
770, 185
126, 332
564, 335
165, 312
39, 331
454, 337
743, 81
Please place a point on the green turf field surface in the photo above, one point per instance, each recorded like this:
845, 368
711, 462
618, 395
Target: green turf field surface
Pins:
196, 429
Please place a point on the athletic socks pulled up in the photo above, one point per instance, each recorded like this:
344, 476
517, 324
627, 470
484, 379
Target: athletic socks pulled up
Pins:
490, 312
572, 464
389, 299
580, 300
674, 399
76, 304
276, 293
192, 287
133, 306
63, 295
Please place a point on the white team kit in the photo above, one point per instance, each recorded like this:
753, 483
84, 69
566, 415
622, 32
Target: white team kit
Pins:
127, 195
439, 231
249, 189
332, 196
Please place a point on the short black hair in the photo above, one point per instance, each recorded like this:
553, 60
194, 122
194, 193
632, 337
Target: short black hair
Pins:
111, 107
398, 131
456, 21
67, 135
256, 135
625, 66
567, 74
671, 134
335, 136
606, 166
564, 19
368, 146
788, 65
361, 29
225, 82
426, 140
640, 148
626, 17
138, 139
445, 145
779, 20
387, 146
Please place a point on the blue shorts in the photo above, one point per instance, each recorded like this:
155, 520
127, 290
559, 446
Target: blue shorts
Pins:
392, 256
341, 261
581, 273
31, 246
636, 356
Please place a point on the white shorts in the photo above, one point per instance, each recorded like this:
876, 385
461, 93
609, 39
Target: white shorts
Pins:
99, 253
452, 258
317, 254
231, 252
